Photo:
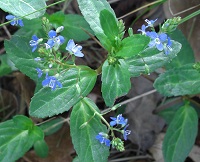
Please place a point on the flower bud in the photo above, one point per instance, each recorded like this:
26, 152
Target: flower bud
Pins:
170, 25
59, 29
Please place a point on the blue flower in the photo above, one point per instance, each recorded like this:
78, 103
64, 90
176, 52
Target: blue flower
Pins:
157, 40
100, 137
118, 120
74, 48
143, 28
51, 81
126, 132
150, 22
14, 21
54, 41
167, 47
39, 71
34, 42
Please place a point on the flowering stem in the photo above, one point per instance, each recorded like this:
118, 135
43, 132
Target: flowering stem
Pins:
189, 16
33, 12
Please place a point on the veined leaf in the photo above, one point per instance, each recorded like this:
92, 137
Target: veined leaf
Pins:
24, 7
179, 81
109, 24
153, 58
115, 81
83, 137
133, 45
4, 66
19, 51
15, 142
41, 148
76, 83
186, 54
181, 134
91, 11
74, 25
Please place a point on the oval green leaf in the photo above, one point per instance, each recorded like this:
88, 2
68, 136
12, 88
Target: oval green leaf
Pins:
41, 148
15, 142
91, 11
133, 45
76, 84
22, 57
153, 58
115, 81
35, 8
179, 81
181, 134
87, 147
109, 24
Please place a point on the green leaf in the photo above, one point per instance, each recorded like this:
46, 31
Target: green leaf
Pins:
186, 54
76, 83
19, 51
179, 81
133, 45
30, 28
76, 159
23, 122
153, 58
15, 142
109, 24
91, 11
87, 147
4, 66
41, 148
74, 25
115, 81
181, 134
169, 111
52, 126
24, 7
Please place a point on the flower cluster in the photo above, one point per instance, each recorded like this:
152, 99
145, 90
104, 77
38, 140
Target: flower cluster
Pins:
159, 40
49, 53
14, 20
121, 125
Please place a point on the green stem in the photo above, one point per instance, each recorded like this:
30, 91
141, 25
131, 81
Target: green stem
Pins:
33, 12
189, 16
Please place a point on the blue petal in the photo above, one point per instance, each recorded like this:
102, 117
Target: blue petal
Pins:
112, 123
59, 84
169, 43
107, 142
152, 43
79, 54
159, 46
70, 45
34, 37
10, 17
62, 39
34, 48
52, 33
153, 35
99, 137
20, 22
13, 23
162, 37
50, 42
113, 118
45, 82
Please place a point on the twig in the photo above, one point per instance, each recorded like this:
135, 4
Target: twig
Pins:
137, 97
150, 4
178, 13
